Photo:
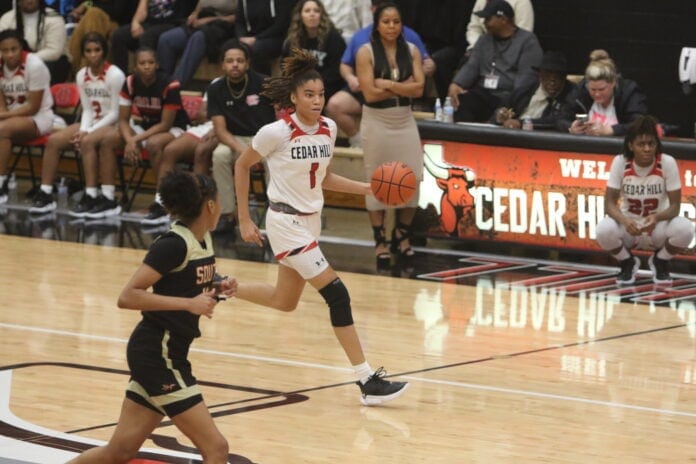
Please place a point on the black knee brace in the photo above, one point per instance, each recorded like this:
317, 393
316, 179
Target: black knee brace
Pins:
336, 296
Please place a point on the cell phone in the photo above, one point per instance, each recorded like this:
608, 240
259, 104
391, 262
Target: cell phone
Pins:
583, 118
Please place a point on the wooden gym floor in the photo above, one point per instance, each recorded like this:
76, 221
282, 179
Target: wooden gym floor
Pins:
510, 359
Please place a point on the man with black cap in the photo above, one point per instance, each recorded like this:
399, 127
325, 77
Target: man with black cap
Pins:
542, 102
501, 61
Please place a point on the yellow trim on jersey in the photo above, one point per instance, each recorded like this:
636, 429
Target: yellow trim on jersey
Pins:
194, 250
168, 361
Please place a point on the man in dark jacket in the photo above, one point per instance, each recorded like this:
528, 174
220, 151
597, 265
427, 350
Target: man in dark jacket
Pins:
544, 102
500, 62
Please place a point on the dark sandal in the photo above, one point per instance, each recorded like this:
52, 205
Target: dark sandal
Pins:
384, 258
401, 233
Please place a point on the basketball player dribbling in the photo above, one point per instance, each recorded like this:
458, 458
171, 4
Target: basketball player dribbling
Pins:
297, 150
648, 183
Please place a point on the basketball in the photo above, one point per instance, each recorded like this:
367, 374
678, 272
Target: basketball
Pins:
393, 183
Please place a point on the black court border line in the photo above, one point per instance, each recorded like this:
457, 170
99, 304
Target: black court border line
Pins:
335, 385
481, 360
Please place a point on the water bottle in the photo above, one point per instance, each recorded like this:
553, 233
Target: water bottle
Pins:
12, 188
527, 124
448, 111
62, 194
438, 110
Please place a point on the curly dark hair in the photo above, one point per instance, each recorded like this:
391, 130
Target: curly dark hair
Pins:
642, 125
184, 194
297, 33
298, 68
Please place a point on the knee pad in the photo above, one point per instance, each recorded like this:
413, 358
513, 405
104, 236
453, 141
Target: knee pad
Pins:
336, 296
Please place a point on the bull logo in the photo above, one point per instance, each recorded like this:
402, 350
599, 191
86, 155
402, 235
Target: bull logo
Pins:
456, 183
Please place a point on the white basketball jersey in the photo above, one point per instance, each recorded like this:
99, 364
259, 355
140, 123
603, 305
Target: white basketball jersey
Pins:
297, 157
644, 190
99, 96
31, 75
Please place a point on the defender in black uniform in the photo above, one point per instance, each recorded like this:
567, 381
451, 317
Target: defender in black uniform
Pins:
180, 268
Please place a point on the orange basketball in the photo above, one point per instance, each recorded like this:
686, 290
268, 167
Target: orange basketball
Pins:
393, 183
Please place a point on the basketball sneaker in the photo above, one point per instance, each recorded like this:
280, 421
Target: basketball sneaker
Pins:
103, 207
377, 390
660, 270
81, 209
157, 215
4, 190
629, 269
43, 203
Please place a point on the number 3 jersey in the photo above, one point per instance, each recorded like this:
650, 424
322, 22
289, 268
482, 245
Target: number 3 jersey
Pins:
644, 189
297, 157
99, 96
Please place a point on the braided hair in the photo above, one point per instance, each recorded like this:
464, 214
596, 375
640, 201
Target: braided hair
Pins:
298, 68
404, 60
39, 25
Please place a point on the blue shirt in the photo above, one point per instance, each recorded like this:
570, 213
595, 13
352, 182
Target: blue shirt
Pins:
362, 37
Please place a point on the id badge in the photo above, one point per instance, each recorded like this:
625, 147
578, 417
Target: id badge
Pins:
491, 81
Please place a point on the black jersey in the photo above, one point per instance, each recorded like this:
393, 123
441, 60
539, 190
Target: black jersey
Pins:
244, 115
187, 267
151, 100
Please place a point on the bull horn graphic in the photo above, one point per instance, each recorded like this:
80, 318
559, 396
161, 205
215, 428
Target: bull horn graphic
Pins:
437, 170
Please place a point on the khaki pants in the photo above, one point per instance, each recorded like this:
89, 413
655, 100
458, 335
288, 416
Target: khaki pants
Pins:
223, 163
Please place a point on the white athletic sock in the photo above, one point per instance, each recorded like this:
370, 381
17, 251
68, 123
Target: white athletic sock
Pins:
158, 198
623, 254
363, 372
47, 188
108, 191
664, 254
91, 192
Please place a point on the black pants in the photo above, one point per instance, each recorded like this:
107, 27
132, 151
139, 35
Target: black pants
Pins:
59, 69
476, 105
122, 41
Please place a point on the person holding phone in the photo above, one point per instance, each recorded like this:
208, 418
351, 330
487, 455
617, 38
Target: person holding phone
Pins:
610, 102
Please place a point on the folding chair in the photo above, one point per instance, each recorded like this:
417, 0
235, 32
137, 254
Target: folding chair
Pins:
192, 102
66, 103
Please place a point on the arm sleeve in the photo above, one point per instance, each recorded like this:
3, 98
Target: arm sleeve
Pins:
475, 28
531, 56
468, 74
166, 253
524, 15
54, 39
115, 82
671, 170
87, 110
616, 172
267, 139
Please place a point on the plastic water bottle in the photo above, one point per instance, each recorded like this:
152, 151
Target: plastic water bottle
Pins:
12, 188
62, 194
448, 111
438, 110
527, 124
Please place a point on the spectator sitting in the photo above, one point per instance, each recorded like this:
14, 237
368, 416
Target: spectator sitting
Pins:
210, 24
349, 16
311, 29
44, 31
610, 102
263, 25
500, 62
345, 107
544, 102
524, 18
151, 19
102, 16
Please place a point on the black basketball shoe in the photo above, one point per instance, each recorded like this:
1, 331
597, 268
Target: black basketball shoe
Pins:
377, 390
